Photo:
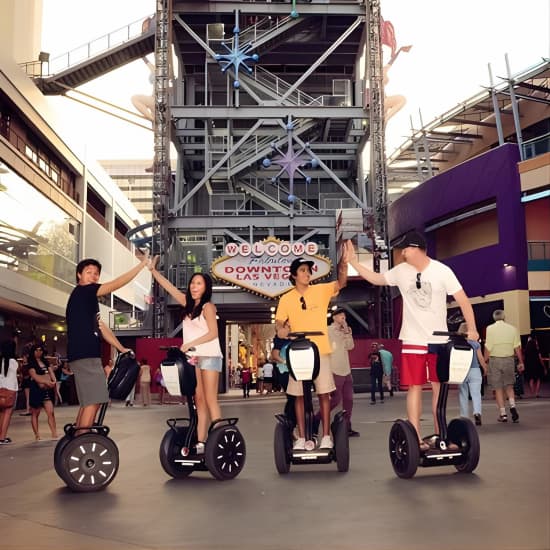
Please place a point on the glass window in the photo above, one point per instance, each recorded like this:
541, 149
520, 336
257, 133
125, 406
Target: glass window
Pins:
35, 236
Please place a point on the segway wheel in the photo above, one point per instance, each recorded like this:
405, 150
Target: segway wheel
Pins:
89, 462
463, 432
170, 451
281, 444
404, 449
225, 452
57, 463
341, 445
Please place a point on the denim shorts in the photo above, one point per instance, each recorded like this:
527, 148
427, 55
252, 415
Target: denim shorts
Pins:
210, 363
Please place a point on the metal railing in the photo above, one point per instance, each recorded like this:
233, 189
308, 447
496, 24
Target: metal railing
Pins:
537, 146
538, 250
95, 47
126, 320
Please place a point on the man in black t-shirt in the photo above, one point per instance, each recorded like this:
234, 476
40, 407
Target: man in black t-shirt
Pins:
84, 327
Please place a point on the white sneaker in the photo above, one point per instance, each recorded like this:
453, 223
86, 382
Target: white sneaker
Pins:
199, 448
299, 444
326, 442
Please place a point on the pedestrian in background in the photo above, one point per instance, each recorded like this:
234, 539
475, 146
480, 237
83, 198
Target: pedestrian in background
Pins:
145, 382
387, 367
8, 382
502, 343
376, 374
534, 368
341, 340
473, 381
42, 391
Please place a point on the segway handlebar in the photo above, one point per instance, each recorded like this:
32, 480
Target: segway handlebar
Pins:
164, 348
446, 333
305, 334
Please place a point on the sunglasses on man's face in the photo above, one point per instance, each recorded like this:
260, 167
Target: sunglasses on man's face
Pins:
303, 302
418, 282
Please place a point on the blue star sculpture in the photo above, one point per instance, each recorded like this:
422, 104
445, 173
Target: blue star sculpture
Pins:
237, 56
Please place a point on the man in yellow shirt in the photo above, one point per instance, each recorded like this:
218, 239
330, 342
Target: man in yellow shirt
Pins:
501, 343
305, 308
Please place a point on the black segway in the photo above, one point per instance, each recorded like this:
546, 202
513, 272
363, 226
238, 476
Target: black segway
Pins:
453, 362
225, 450
89, 461
303, 365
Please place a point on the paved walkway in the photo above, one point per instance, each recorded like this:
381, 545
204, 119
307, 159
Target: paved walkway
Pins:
504, 504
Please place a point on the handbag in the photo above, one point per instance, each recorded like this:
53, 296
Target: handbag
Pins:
7, 398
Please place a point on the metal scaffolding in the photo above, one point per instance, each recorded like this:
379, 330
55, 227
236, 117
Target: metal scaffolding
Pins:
161, 164
377, 178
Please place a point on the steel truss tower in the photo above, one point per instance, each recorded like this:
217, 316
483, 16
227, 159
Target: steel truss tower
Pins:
377, 177
161, 165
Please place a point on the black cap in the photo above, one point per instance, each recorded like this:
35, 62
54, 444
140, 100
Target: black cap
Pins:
298, 262
338, 310
411, 238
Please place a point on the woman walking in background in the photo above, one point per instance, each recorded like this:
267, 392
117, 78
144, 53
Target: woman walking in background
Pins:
42, 394
145, 382
534, 368
8, 381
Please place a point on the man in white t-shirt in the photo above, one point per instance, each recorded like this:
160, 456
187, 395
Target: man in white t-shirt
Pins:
424, 284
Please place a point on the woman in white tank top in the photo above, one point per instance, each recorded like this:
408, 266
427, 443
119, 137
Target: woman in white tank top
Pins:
200, 332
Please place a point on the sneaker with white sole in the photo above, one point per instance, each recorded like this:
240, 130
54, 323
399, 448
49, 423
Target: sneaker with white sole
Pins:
326, 442
299, 444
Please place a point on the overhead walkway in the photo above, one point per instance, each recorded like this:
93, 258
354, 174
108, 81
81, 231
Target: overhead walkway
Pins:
96, 58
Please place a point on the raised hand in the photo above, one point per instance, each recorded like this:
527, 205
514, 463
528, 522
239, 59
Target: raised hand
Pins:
152, 263
143, 254
348, 253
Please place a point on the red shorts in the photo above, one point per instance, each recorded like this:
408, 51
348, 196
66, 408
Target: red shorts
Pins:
419, 367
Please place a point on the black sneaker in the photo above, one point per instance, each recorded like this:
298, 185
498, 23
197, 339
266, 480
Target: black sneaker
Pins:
515, 415
477, 419
502, 418
373, 402
353, 433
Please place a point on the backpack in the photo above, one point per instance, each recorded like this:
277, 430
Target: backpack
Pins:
124, 375
245, 376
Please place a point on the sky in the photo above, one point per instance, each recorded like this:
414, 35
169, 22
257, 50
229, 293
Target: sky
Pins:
453, 44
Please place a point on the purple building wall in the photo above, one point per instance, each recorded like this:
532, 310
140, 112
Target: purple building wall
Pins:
492, 175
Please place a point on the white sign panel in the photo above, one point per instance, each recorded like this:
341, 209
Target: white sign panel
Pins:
263, 267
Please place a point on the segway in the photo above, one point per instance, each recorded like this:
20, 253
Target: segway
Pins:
303, 362
453, 363
89, 461
225, 450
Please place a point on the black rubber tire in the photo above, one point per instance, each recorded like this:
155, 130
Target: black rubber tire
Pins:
225, 452
463, 432
404, 449
281, 444
57, 463
341, 445
89, 462
170, 449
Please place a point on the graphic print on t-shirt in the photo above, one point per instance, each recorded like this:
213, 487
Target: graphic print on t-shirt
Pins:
422, 297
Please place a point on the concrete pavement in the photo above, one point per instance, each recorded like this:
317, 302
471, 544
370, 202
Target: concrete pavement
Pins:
504, 504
